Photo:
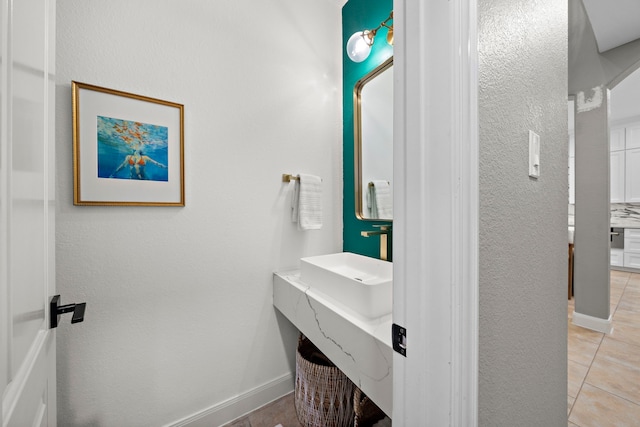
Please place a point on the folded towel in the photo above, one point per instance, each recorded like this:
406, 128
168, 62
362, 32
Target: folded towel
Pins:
381, 199
306, 203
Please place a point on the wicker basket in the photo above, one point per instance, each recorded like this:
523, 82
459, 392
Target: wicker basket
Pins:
322, 392
366, 412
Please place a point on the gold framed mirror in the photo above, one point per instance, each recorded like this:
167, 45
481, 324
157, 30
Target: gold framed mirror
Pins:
373, 133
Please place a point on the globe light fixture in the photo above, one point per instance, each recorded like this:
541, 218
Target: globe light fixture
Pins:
360, 43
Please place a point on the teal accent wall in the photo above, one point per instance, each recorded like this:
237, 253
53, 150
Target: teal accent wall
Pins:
358, 15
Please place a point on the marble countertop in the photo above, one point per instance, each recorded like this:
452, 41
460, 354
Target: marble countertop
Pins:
614, 223
359, 347
624, 224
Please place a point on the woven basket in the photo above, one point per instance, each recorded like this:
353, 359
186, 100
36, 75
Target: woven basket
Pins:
366, 412
322, 392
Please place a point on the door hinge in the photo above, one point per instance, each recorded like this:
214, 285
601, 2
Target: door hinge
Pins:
399, 339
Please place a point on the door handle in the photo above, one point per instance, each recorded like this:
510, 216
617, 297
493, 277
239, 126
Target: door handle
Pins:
55, 310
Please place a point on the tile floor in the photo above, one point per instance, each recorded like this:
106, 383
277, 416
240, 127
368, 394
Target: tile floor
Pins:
604, 369
281, 411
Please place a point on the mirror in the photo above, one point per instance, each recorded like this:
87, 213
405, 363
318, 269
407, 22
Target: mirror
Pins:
373, 108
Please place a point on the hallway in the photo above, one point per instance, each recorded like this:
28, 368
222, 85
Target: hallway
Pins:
604, 370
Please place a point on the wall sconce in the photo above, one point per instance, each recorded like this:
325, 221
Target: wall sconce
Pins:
359, 44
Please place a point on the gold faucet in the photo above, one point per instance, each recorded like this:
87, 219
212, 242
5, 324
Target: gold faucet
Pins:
383, 232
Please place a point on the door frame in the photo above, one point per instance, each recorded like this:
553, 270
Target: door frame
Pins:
28, 385
436, 212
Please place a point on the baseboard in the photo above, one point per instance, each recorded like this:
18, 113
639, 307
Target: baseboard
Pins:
594, 323
235, 407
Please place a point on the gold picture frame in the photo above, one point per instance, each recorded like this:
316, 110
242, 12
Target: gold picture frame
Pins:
127, 149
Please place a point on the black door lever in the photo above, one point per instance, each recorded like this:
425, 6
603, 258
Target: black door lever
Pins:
55, 310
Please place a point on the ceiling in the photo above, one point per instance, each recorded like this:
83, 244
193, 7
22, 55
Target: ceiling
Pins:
614, 22
617, 22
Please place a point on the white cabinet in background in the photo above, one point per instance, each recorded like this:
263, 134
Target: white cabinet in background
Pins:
632, 176
572, 180
617, 176
632, 240
624, 149
631, 260
616, 139
631, 248
617, 257
572, 169
632, 136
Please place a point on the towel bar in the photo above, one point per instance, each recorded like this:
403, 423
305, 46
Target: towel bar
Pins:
287, 177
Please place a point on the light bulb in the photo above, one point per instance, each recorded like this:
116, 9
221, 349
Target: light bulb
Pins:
359, 46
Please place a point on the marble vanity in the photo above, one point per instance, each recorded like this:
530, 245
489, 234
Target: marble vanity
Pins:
358, 345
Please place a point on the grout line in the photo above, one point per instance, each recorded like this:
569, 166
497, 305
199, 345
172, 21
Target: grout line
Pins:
613, 394
585, 376
596, 354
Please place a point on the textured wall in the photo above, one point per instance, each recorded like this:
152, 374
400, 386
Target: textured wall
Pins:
523, 222
179, 314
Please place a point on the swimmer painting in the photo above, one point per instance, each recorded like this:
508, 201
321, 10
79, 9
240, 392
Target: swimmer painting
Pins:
132, 150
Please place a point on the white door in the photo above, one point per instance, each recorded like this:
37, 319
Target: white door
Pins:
27, 208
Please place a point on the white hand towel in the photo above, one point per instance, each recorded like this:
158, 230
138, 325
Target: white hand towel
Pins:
306, 203
381, 199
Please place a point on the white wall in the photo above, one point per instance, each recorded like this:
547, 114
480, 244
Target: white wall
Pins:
624, 98
179, 315
522, 54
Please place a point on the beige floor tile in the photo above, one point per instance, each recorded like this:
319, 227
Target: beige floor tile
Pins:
584, 334
597, 408
616, 369
615, 296
581, 352
626, 326
618, 274
570, 401
572, 425
576, 373
617, 287
612, 309
634, 282
619, 280
630, 300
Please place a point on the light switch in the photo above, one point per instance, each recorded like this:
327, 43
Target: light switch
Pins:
534, 154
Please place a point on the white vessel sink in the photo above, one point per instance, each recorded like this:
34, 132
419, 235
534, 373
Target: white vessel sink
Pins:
360, 283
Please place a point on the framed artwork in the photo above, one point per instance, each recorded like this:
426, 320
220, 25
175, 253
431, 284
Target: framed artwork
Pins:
127, 149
